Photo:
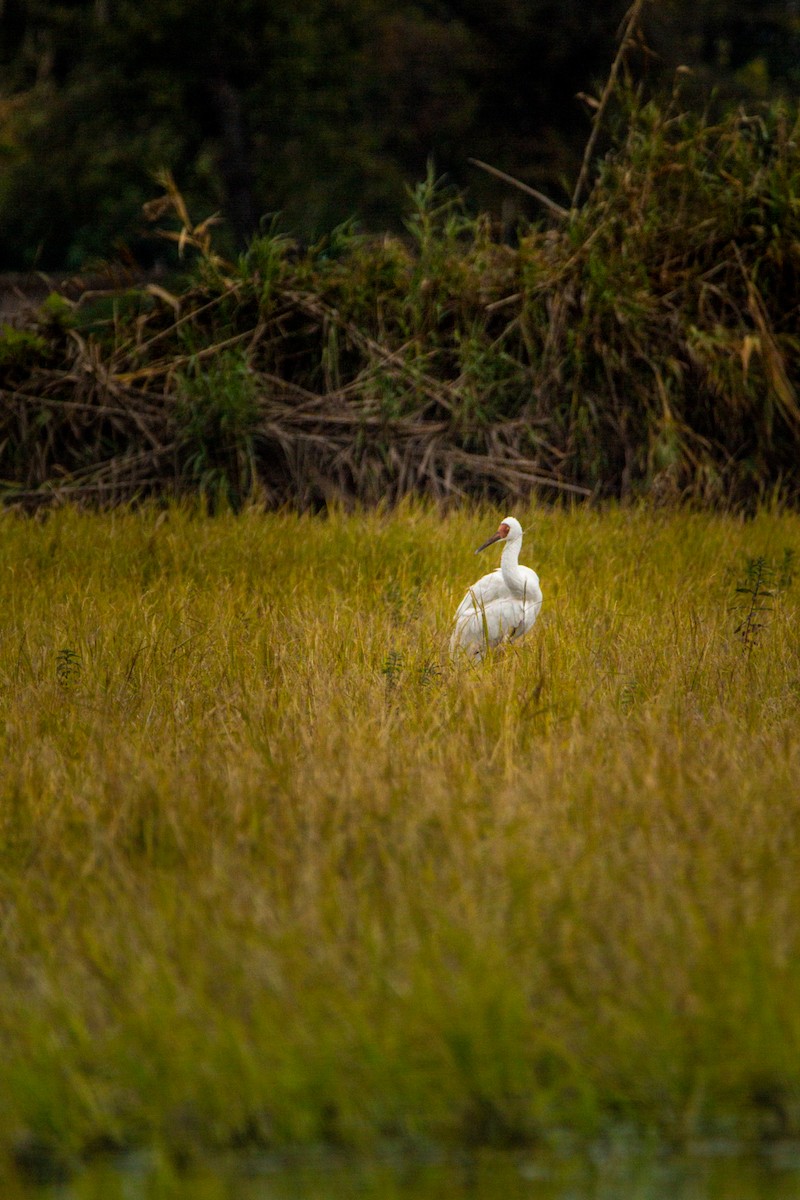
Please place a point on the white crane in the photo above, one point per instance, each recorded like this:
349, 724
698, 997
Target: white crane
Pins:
503, 605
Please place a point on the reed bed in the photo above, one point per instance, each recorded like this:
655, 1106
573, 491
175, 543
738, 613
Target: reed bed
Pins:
275, 872
642, 342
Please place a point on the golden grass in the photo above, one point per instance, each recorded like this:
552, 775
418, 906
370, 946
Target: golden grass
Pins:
274, 871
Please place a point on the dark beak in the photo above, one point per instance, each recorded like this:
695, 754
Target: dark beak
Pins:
496, 537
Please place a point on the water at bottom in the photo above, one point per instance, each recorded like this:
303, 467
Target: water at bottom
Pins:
710, 1171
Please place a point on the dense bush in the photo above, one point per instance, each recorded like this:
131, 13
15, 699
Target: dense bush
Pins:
643, 343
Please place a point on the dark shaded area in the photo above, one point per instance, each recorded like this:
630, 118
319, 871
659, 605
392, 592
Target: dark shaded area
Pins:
320, 110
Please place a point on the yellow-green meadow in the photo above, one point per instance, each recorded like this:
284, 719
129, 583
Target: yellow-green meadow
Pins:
274, 871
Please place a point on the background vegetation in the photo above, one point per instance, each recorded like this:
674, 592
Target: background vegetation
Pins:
643, 342
274, 872
321, 110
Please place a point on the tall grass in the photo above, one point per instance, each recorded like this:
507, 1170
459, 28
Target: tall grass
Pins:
274, 871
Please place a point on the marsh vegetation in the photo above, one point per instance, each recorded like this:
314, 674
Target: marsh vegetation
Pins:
275, 872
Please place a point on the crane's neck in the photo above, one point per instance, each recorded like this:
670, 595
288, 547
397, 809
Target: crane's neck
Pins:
509, 565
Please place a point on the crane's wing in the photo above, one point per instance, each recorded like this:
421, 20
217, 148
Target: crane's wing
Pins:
490, 614
488, 625
488, 588
532, 598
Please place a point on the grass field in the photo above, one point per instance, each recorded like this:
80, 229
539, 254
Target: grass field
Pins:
274, 871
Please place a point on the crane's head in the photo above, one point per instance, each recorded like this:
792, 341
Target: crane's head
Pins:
509, 530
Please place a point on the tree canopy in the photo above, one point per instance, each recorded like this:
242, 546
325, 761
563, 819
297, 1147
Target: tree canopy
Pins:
321, 110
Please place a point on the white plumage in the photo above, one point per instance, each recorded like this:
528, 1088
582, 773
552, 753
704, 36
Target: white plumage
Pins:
503, 605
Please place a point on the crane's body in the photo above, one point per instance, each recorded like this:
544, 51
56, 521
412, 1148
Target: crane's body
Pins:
503, 605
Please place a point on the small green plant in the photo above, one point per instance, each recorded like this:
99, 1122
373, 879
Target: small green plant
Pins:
786, 568
762, 581
436, 217
392, 668
429, 673
55, 314
755, 592
216, 414
266, 263
68, 668
20, 347
756, 604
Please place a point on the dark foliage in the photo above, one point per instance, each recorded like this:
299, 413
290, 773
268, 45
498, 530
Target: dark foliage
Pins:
646, 343
320, 110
